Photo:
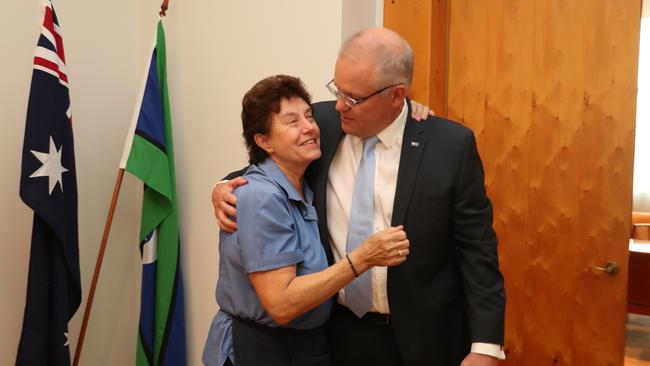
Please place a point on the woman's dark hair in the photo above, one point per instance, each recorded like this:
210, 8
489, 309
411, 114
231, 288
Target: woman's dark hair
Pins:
262, 100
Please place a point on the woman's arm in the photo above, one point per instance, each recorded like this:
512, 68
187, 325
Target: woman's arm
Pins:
285, 295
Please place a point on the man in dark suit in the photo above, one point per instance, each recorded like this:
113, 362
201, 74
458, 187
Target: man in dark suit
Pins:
445, 305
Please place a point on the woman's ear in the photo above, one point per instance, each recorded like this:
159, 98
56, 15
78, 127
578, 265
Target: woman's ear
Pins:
262, 140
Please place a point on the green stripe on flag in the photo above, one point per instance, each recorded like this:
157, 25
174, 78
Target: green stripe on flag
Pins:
155, 167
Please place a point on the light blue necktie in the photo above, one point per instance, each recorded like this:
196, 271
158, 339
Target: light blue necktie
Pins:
358, 293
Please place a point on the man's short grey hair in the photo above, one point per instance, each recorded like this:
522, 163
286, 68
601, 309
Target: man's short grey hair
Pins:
394, 61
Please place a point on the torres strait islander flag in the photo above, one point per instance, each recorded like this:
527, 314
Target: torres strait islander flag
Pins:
149, 155
48, 185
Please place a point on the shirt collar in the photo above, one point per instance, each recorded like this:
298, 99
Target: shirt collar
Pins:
393, 132
274, 172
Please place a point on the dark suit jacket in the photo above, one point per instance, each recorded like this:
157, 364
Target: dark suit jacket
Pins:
449, 292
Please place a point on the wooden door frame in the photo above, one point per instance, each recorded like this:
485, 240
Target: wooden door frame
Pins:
425, 23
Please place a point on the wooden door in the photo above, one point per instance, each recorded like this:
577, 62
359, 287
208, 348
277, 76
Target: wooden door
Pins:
549, 88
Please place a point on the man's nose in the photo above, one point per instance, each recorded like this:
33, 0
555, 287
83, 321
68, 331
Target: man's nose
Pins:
341, 106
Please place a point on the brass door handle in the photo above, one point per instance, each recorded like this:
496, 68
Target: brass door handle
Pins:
611, 268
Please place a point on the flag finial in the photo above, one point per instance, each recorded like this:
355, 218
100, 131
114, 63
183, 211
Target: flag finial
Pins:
163, 8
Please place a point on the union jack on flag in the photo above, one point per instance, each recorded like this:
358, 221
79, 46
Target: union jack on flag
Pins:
48, 185
49, 55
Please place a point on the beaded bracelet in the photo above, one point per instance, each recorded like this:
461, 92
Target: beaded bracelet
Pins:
356, 274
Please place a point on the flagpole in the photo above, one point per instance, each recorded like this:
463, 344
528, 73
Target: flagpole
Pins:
102, 247
98, 266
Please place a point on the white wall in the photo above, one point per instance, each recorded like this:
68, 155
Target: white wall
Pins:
361, 14
216, 51
641, 198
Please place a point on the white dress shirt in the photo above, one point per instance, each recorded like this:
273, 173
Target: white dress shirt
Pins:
340, 180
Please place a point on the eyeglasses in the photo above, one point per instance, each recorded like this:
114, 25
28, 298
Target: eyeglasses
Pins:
349, 101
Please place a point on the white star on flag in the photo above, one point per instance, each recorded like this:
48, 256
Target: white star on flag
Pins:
67, 341
51, 167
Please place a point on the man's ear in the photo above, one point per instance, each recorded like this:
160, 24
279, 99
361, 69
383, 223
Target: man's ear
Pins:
398, 94
262, 141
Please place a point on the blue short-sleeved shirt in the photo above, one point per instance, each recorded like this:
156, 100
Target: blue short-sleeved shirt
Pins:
276, 228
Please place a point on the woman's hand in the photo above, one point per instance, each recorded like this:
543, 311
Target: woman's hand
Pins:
388, 247
420, 112
285, 295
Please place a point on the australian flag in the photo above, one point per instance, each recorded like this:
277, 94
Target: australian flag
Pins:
48, 185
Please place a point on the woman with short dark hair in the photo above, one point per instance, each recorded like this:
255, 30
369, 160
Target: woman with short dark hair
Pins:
275, 286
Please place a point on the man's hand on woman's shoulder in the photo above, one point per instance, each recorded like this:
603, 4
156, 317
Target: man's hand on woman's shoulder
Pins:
224, 202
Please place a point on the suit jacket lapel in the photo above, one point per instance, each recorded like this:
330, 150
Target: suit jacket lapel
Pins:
321, 189
330, 139
413, 145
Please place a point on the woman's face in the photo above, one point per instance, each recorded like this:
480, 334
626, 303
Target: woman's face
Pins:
294, 137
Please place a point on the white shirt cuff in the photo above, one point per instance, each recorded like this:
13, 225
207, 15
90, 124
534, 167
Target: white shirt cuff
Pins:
489, 349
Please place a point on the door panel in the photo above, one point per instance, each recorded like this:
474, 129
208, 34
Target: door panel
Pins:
495, 114
606, 146
549, 88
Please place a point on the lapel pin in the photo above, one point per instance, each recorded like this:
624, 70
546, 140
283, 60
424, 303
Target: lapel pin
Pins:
415, 144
